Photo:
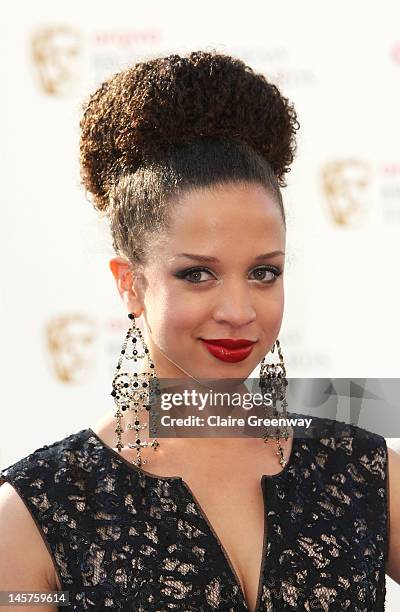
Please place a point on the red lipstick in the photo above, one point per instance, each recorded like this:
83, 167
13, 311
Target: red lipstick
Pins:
231, 350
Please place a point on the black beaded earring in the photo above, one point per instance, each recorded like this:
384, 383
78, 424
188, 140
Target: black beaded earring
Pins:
273, 380
134, 391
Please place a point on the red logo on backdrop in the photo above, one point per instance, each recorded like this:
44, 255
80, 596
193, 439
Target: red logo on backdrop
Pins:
395, 52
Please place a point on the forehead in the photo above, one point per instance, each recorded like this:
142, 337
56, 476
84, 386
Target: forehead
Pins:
242, 213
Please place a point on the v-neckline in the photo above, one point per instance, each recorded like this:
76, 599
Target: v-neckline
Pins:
224, 551
204, 516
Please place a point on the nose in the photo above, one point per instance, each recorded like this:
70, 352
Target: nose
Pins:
235, 306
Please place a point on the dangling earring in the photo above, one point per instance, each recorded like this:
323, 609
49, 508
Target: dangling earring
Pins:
132, 391
273, 380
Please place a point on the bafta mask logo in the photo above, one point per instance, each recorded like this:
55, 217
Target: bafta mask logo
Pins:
56, 52
345, 184
70, 347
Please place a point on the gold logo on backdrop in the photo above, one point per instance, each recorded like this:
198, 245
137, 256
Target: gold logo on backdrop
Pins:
345, 184
55, 53
70, 346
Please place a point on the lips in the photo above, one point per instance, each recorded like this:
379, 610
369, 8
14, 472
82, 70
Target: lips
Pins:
229, 349
230, 343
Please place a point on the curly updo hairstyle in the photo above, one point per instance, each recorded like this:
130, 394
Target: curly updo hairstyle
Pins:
175, 123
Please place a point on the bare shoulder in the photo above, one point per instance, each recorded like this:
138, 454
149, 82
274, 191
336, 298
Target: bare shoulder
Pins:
393, 563
25, 562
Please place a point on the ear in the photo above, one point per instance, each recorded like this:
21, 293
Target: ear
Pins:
127, 287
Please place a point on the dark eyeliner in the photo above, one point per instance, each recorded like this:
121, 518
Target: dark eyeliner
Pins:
186, 271
182, 274
276, 271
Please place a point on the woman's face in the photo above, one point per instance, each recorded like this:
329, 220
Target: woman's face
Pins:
217, 273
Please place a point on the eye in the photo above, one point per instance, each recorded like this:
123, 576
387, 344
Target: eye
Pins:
271, 270
193, 275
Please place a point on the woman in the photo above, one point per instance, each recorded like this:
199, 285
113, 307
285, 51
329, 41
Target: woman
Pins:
186, 156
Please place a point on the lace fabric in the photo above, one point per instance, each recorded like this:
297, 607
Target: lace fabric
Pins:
124, 539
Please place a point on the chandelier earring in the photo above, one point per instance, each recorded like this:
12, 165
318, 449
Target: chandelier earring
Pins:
273, 381
134, 391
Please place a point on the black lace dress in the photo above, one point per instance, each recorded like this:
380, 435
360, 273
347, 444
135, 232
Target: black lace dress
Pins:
124, 539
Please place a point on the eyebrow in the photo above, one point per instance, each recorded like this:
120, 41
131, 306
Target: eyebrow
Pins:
214, 259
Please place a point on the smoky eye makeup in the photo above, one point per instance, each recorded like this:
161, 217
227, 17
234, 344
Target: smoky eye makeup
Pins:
272, 269
196, 272
185, 272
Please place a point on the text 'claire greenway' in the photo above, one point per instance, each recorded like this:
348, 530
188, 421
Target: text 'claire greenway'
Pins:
218, 421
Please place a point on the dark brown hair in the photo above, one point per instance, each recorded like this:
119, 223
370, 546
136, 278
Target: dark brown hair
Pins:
178, 123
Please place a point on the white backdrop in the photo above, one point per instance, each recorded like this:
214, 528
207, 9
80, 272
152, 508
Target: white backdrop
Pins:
63, 321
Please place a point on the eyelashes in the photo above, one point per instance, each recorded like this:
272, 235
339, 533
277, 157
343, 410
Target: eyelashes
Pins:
197, 270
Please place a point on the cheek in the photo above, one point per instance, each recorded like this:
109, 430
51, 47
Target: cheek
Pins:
170, 313
270, 315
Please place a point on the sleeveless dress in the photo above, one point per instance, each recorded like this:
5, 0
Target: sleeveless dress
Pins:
122, 538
